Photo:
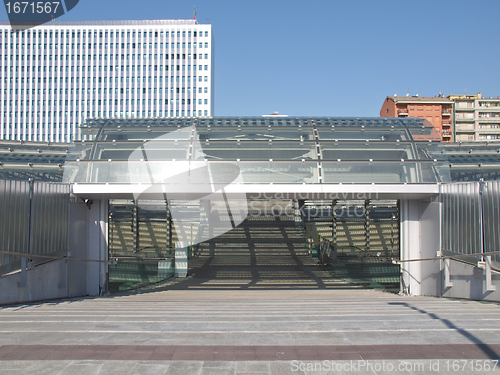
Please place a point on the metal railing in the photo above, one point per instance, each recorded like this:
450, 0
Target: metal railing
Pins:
485, 263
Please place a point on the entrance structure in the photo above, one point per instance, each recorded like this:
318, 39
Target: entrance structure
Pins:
365, 193
358, 183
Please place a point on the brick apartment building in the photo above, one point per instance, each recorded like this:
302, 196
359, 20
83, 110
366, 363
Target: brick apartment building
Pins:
437, 110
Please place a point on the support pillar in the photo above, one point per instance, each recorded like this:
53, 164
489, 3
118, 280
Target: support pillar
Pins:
168, 225
334, 225
135, 226
410, 247
181, 259
97, 247
367, 226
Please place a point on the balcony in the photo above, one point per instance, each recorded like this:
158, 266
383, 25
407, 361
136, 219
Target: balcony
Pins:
464, 106
402, 113
447, 133
446, 113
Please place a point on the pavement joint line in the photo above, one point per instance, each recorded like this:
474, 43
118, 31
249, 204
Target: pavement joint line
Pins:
218, 321
255, 332
247, 352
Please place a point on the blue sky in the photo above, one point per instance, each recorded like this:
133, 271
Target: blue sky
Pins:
332, 58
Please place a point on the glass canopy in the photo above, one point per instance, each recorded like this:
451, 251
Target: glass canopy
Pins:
40, 161
265, 150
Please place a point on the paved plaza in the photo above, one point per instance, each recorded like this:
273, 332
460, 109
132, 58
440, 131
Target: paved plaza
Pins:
251, 314
244, 332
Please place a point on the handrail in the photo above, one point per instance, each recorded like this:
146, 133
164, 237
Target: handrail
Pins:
447, 256
484, 263
54, 257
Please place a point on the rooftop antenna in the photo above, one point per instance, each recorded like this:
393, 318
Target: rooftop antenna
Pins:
408, 92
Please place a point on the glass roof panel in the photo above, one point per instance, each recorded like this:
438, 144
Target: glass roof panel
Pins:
80, 150
256, 150
260, 133
384, 172
430, 150
367, 150
128, 133
358, 133
426, 132
474, 158
153, 150
33, 152
279, 172
376, 122
370, 172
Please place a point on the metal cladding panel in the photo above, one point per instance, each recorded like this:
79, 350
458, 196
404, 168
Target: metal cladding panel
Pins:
34, 220
14, 222
471, 217
491, 197
49, 218
461, 218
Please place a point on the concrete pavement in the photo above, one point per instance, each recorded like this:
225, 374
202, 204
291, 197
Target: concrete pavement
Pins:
237, 332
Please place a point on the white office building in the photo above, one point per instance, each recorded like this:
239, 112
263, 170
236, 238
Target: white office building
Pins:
54, 76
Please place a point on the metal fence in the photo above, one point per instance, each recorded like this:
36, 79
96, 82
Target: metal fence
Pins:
491, 199
33, 221
471, 217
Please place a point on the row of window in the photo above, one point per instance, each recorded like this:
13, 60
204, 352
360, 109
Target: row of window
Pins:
116, 91
156, 79
77, 114
489, 136
89, 57
123, 45
100, 34
94, 91
105, 68
15, 115
489, 114
111, 102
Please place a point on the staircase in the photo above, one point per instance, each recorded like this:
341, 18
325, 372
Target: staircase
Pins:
266, 251
365, 244
142, 251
